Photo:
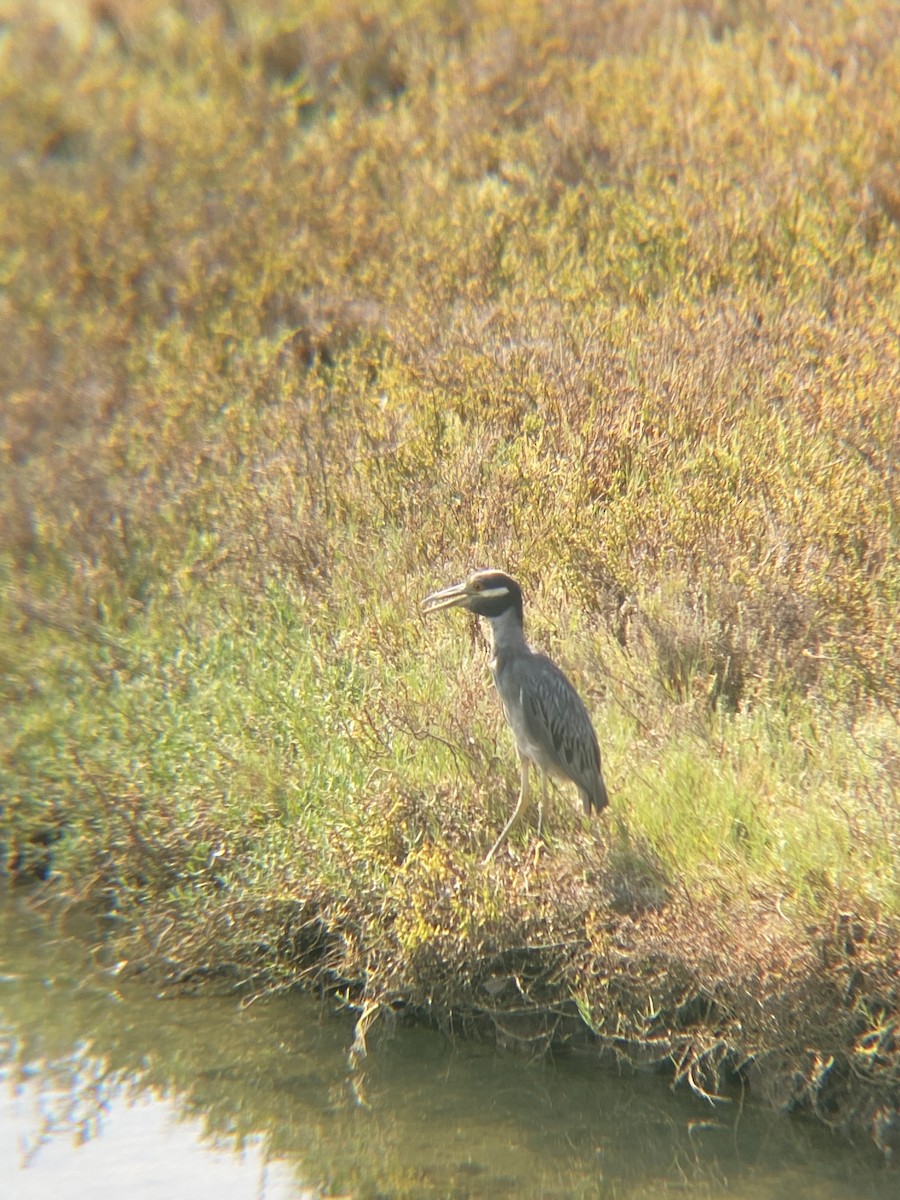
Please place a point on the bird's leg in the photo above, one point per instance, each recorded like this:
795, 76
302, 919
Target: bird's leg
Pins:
524, 794
542, 802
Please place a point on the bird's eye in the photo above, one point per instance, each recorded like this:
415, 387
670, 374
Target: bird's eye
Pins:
477, 586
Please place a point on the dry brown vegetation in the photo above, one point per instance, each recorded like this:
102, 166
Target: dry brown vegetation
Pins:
308, 308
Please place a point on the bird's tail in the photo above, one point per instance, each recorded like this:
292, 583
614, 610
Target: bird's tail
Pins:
596, 798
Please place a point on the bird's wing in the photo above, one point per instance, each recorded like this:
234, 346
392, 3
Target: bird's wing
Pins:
557, 720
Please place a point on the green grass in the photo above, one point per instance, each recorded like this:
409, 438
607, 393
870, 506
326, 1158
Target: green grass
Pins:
306, 312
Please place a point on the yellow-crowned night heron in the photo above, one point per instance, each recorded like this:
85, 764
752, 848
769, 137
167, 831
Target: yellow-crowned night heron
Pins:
551, 725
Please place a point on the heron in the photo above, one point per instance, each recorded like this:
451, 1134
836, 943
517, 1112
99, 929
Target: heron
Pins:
548, 719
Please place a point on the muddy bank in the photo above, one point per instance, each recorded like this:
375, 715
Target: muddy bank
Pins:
719, 996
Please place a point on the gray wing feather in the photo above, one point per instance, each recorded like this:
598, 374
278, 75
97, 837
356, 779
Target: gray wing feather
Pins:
557, 721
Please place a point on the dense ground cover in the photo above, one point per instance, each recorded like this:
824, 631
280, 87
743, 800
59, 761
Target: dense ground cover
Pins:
308, 308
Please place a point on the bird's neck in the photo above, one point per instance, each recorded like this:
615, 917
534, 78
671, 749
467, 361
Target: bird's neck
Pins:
507, 636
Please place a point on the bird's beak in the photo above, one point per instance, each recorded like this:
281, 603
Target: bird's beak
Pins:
451, 597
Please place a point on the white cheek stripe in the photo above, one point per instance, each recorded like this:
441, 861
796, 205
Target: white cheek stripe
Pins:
493, 593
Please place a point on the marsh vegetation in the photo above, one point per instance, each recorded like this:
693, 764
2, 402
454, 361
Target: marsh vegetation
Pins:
308, 308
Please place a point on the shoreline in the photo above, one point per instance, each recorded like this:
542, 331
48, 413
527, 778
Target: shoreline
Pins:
678, 989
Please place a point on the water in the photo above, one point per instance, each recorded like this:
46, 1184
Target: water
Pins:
108, 1091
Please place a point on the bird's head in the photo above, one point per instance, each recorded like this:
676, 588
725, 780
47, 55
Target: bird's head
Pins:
485, 593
